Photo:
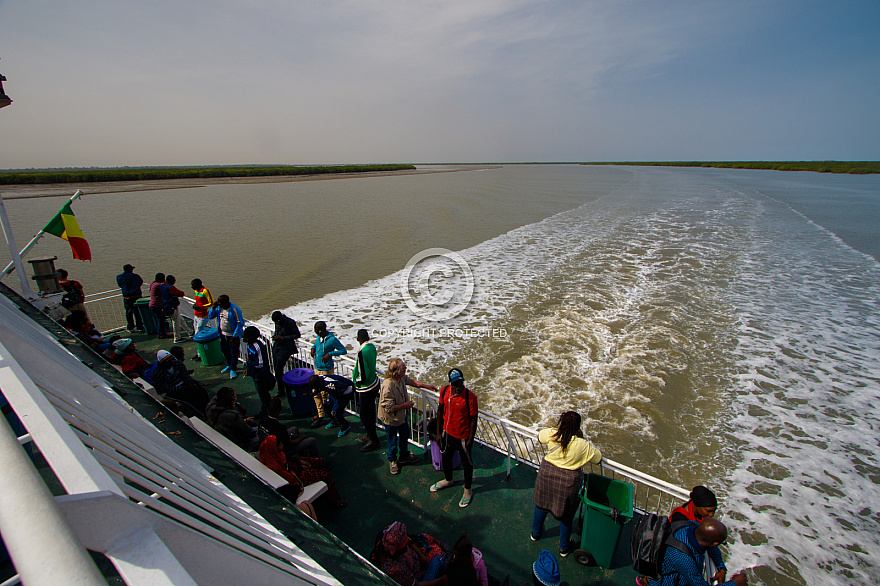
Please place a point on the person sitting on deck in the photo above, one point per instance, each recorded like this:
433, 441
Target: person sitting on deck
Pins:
224, 414
291, 441
172, 379
340, 391
683, 557
299, 470
127, 357
466, 566
79, 324
408, 558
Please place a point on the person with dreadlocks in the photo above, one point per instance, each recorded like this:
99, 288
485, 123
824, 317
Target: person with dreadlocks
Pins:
560, 476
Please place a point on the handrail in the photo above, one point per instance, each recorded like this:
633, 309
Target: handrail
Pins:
518, 443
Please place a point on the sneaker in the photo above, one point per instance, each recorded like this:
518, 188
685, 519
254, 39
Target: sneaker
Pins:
395, 467
225, 370
196, 357
533, 537
466, 498
410, 458
565, 553
317, 421
343, 432
181, 340
232, 374
370, 446
331, 425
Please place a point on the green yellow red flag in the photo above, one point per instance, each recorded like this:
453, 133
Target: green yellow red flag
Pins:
64, 225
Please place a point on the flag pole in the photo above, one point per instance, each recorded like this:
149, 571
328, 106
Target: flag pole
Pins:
12, 266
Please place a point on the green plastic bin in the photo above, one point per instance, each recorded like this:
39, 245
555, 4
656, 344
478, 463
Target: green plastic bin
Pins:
601, 532
208, 345
142, 306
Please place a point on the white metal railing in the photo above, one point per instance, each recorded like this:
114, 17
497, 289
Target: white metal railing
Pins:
152, 508
517, 443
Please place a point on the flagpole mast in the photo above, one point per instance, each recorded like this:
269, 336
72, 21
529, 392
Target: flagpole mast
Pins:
13, 252
11, 266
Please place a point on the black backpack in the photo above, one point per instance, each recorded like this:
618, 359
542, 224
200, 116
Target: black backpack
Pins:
650, 538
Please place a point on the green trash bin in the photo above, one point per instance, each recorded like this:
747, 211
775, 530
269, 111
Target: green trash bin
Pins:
208, 344
601, 532
142, 306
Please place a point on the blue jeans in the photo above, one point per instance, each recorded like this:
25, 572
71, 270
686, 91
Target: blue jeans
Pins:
398, 437
337, 410
564, 528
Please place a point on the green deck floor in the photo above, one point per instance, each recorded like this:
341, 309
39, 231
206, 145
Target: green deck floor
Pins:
498, 520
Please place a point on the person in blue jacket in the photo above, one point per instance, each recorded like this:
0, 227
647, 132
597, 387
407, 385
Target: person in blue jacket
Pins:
231, 329
323, 350
683, 560
130, 284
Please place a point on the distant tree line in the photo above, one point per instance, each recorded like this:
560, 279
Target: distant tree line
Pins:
153, 173
853, 167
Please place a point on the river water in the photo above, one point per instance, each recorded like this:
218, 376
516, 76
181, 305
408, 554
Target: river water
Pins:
714, 327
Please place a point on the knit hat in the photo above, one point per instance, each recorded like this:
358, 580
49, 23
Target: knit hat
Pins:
703, 497
395, 537
122, 344
162, 355
546, 569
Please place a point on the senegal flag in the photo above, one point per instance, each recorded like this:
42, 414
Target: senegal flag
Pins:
64, 225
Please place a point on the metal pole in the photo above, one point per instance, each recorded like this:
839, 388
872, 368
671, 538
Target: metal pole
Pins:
42, 545
34, 240
13, 252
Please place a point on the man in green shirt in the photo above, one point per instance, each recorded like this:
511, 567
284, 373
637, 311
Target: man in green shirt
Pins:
366, 384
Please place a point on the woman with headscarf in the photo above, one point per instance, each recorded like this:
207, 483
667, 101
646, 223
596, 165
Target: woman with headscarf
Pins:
406, 557
299, 471
701, 504
560, 476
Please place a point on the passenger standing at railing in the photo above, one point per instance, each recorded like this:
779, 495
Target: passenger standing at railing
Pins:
130, 284
394, 402
557, 489
457, 419
202, 306
231, 328
366, 384
283, 345
156, 305
171, 306
326, 346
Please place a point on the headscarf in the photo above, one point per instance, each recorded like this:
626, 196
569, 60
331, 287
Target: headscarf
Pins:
394, 537
122, 344
703, 497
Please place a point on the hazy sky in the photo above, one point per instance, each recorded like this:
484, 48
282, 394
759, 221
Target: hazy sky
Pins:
177, 82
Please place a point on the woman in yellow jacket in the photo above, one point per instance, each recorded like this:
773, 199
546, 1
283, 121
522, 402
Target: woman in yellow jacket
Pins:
560, 476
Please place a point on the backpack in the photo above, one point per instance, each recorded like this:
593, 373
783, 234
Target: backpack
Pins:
650, 538
73, 296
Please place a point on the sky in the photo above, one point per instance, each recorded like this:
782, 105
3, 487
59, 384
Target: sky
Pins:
205, 82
